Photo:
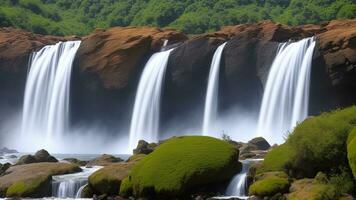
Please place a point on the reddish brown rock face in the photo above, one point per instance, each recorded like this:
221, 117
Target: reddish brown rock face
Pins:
109, 62
114, 54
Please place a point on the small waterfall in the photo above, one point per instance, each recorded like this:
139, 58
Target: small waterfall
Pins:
46, 101
71, 185
145, 118
286, 96
238, 185
211, 100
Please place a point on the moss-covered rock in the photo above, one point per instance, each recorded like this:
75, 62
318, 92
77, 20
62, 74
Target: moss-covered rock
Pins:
181, 165
317, 144
104, 160
310, 189
107, 180
351, 151
270, 184
32, 180
136, 157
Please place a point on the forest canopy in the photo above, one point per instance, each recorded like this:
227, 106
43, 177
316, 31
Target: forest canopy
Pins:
79, 17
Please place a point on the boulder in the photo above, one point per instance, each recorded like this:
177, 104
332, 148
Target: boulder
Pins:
144, 147
40, 156
181, 166
260, 143
270, 184
104, 160
76, 161
4, 167
32, 180
108, 179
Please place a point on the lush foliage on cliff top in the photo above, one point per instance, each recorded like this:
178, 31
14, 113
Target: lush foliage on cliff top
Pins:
66, 17
180, 164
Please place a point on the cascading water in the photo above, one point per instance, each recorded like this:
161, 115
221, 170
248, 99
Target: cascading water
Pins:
238, 185
71, 185
145, 118
286, 96
46, 102
211, 100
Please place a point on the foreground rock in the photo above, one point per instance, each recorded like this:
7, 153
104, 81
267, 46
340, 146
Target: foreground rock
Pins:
312, 163
182, 166
104, 160
40, 156
32, 180
107, 180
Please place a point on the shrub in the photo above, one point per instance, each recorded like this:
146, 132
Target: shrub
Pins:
317, 144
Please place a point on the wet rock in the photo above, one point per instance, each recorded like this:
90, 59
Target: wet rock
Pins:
260, 143
4, 167
104, 160
76, 161
40, 156
32, 180
144, 147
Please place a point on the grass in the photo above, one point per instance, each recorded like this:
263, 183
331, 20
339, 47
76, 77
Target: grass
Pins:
351, 151
309, 189
181, 163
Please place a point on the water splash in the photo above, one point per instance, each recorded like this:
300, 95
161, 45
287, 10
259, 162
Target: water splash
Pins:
238, 185
46, 101
145, 118
71, 185
211, 100
286, 96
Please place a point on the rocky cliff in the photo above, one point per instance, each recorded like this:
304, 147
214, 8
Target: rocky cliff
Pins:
109, 63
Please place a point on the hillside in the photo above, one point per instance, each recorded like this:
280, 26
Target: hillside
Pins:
77, 17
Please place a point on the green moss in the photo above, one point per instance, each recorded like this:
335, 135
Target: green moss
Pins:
277, 159
126, 187
309, 189
27, 188
317, 144
182, 164
108, 179
351, 151
136, 157
270, 184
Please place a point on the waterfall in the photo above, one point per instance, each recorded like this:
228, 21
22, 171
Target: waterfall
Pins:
46, 101
146, 112
211, 100
71, 185
286, 95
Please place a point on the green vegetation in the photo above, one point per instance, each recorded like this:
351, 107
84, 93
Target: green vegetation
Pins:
28, 188
351, 151
309, 189
270, 184
108, 179
317, 144
66, 17
181, 164
32, 180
